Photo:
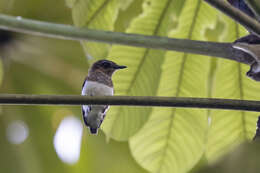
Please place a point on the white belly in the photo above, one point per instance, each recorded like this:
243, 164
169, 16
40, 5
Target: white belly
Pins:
96, 89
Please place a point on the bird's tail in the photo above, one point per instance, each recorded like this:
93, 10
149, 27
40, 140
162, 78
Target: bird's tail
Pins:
93, 130
93, 120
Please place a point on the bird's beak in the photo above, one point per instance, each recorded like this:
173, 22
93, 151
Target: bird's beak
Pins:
117, 67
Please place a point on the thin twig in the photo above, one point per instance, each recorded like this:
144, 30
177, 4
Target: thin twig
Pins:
245, 20
214, 49
19, 99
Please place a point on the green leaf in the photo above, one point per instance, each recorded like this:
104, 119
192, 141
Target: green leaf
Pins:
229, 128
95, 14
143, 72
127, 14
124, 4
173, 140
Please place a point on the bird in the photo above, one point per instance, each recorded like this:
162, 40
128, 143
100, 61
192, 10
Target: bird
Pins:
254, 51
98, 83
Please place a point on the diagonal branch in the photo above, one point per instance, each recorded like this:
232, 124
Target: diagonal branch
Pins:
214, 49
254, 6
245, 20
188, 102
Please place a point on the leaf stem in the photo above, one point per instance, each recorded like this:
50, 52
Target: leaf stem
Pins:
214, 49
188, 102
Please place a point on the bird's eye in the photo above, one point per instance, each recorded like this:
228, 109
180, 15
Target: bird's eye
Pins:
106, 65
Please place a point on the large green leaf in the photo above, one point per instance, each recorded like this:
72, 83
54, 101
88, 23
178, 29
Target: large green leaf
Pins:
95, 14
143, 72
124, 4
229, 128
173, 140
127, 14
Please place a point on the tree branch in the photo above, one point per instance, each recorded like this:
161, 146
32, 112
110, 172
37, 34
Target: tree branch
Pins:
245, 20
214, 49
19, 99
254, 5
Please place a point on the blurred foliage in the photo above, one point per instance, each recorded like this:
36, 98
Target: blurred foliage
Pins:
244, 158
151, 139
36, 65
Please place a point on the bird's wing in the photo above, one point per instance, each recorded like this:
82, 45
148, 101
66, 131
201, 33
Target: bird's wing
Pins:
105, 109
85, 108
84, 87
85, 111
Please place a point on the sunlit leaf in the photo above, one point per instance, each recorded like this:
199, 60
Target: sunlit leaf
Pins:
95, 14
143, 72
229, 128
172, 140
127, 14
125, 4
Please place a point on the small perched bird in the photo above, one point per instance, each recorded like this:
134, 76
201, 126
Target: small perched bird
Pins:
98, 83
254, 51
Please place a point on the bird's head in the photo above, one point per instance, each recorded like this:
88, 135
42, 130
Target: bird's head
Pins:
254, 72
106, 66
254, 51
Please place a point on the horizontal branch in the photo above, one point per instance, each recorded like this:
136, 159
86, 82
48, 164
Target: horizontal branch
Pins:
242, 18
244, 105
214, 49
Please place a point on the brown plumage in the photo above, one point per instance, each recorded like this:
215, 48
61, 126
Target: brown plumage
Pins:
101, 77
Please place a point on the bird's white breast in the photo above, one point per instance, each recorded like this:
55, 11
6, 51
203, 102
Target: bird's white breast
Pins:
96, 89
